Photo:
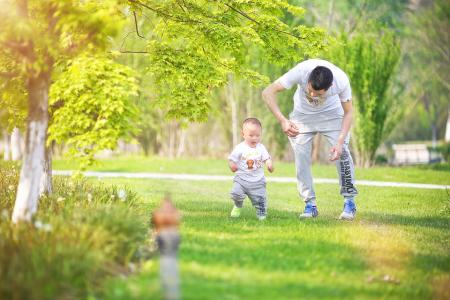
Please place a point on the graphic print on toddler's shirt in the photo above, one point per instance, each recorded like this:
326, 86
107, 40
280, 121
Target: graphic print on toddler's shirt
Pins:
250, 161
253, 158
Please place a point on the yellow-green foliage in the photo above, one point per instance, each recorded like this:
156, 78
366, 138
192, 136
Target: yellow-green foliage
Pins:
370, 59
48, 31
91, 106
195, 44
13, 96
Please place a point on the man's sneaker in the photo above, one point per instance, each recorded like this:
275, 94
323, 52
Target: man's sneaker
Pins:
235, 212
261, 218
349, 210
310, 211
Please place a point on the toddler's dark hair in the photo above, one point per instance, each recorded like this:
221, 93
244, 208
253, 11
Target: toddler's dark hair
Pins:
253, 121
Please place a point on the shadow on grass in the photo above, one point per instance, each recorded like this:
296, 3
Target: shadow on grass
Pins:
200, 287
437, 222
428, 262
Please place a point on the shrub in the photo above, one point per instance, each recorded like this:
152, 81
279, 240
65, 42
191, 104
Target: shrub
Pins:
80, 236
444, 149
381, 159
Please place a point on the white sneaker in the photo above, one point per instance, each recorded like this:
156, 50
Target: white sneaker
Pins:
261, 218
349, 210
347, 216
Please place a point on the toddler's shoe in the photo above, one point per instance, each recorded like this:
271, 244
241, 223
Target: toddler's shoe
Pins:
261, 218
310, 211
349, 210
235, 212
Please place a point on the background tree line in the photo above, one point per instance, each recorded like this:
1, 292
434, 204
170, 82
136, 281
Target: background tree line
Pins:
410, 35
179, 77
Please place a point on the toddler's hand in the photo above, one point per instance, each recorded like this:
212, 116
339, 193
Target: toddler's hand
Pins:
270, 167
233, 167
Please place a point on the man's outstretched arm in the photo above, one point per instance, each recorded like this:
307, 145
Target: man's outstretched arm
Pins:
270, 97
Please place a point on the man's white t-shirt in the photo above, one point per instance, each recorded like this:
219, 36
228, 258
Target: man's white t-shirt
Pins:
330, 103
250, 161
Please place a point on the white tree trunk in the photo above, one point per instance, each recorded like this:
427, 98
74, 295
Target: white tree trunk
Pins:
172, 139
433, 135
250, 97
46, 186
182, 142
447, 128
33, 158
233, 104
330, 15
7, 146
16, 144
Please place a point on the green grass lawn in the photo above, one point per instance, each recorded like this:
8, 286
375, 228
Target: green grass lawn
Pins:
397, 248
423, 174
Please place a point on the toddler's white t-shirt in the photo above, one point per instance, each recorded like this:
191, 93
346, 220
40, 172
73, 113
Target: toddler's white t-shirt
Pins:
250, 161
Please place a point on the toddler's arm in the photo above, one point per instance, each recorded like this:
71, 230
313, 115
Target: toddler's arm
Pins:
269, 165
233, 166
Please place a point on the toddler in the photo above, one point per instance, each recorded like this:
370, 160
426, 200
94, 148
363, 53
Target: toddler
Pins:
247, 161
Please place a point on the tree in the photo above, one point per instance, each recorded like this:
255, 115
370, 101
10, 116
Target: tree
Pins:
36, 35
370, 62
429, 57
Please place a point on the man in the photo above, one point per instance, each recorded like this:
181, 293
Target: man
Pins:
322, 104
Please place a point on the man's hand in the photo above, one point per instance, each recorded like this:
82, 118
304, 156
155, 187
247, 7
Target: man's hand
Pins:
269, 165
335, 152
289, 128
233, 166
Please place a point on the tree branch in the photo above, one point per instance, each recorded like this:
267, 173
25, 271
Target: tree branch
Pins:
22, 47
136, 25
245, 15
163, 13
242, 13
181, 6
136, 52
9, 75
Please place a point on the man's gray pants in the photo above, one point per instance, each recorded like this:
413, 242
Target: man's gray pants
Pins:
302, 144
256, 191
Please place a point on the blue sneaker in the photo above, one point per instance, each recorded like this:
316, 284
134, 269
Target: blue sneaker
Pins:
349, 210
310, 211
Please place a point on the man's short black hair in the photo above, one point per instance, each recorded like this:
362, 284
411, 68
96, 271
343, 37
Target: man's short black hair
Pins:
321, 78
253, 121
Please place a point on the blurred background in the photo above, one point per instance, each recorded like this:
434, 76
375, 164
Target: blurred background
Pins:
172, 80
395, 52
